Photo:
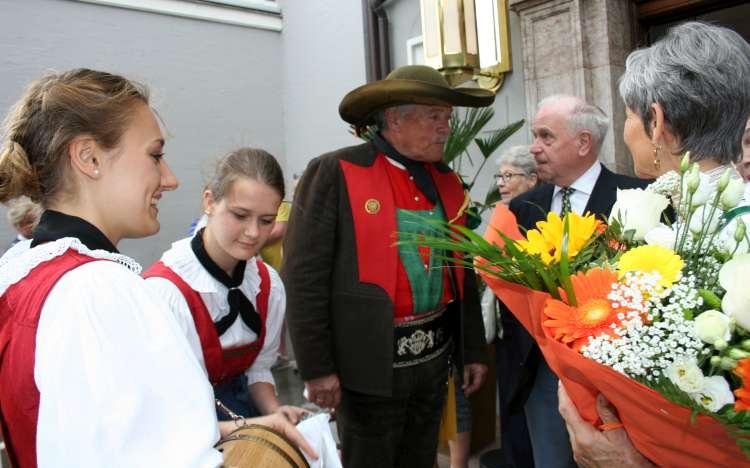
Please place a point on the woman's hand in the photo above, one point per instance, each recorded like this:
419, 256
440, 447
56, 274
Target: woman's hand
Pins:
275, 421
281, 424
594, 448
293, 414
474, 375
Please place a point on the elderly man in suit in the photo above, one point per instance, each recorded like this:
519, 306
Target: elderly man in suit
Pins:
373, 323
568, 134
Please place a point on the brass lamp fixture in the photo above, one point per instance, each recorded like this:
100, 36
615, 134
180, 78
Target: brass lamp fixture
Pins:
467, 39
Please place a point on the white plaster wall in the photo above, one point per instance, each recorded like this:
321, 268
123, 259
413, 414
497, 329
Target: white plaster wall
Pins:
216, 86
323, 59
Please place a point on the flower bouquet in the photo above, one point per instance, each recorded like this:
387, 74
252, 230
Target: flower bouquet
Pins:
654, 316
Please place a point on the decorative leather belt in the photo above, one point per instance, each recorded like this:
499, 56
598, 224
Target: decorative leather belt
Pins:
420, 340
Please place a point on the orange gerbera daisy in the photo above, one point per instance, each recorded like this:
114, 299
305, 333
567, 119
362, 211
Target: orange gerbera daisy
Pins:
742, 370
594, 313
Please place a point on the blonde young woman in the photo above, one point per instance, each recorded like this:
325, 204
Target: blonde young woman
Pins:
231, 303
95, 370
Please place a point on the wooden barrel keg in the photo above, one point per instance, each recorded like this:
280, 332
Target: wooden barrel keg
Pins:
259, 447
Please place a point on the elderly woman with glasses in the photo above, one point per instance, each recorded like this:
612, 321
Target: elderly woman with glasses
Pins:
517, 173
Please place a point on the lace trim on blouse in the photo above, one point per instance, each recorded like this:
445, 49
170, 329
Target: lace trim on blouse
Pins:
18, 262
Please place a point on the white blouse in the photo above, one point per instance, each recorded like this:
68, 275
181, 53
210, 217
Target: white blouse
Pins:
118, 383
181, 259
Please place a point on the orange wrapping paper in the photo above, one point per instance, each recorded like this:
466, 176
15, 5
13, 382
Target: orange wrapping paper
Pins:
659, 429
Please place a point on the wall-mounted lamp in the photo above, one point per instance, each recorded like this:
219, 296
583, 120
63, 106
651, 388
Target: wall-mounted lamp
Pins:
467, 39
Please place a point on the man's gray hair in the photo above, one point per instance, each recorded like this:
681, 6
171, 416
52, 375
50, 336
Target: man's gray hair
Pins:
520, 157
379, 117
583, 116
698, 74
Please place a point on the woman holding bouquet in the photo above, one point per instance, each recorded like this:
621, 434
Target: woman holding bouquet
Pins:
686, 92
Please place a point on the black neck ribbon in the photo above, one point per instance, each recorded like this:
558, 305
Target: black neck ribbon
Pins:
416, 169
54, 225
239, 304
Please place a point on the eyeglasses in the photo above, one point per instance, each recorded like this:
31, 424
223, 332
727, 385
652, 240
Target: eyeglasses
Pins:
508, 176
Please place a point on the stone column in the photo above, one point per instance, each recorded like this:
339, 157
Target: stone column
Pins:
579, 47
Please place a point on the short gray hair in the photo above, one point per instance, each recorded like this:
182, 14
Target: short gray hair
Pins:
379, 117
583, 116
698, 74
520, 157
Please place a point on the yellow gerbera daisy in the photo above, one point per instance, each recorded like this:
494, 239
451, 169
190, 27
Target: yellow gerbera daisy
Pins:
546, 239
649, 259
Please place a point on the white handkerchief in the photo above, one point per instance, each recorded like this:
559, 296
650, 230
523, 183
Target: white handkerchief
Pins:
317, 432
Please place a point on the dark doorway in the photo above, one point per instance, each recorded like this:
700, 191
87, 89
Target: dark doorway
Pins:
655, 17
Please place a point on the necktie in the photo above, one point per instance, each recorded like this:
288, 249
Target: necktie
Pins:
565, 192
238, 303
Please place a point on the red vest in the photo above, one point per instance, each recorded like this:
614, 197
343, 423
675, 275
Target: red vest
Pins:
374, 214
20, 308
221, 364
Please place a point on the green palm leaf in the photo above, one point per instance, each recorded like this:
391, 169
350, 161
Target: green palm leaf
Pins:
490, 144
463, 131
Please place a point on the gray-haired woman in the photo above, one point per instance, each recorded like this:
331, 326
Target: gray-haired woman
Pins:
686, 92
516, 174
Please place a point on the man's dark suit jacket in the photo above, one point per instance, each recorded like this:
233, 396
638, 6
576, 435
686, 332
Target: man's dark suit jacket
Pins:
529, 208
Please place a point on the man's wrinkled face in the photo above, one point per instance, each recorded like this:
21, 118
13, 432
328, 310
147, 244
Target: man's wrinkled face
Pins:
555, 147
422, 131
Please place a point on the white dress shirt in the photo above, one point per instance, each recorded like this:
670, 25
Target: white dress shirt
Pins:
583, 186
181, 259
118, 383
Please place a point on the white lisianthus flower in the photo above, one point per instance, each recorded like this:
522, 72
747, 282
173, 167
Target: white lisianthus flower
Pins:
661, 235
727, 242
732, 195
715, 393
702, 194
736, 303
702, 217
686, 375
712, 326
638, 210
732, 277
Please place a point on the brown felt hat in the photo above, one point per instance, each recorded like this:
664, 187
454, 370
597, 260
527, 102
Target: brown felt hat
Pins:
411, 84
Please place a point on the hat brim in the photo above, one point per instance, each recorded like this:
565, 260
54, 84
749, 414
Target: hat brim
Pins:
360, 105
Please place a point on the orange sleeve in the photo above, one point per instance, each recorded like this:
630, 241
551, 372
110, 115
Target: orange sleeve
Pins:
503, 220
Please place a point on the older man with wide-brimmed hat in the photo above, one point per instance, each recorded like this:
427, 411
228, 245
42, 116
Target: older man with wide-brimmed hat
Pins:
375, 324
